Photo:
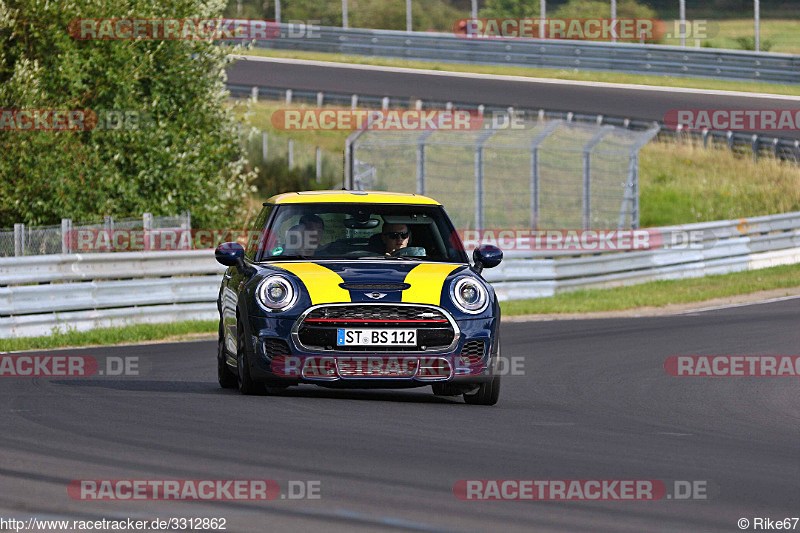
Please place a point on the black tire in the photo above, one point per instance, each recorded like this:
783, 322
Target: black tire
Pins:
226, 378
487, 394
244, 381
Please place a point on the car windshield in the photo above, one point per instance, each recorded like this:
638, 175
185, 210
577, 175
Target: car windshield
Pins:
359, 231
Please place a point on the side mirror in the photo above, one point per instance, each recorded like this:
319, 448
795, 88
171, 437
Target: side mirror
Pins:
486, 256
230, 254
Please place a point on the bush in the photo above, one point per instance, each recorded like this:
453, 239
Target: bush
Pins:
379, 14
749, 43
602, 9
187, 156
510, 8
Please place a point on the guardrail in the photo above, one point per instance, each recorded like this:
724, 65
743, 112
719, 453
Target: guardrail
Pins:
83, 291
543, 53
740, 142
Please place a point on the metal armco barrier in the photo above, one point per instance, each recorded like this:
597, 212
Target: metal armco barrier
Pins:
93, 290
544, 53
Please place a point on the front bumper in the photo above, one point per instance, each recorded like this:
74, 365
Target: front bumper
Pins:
279, 359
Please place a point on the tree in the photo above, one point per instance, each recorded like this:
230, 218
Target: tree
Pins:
510, 8
602, 9
184, 152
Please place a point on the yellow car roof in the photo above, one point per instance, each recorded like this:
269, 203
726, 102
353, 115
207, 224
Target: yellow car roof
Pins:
350, 197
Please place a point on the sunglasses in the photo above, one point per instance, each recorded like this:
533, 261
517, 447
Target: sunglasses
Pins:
397, 234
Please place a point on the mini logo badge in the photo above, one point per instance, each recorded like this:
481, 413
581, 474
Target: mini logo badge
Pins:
375, 295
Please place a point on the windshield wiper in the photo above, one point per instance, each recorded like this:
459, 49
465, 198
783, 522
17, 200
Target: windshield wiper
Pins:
296, 256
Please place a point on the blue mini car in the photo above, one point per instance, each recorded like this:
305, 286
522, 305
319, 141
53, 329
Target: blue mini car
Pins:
356, 289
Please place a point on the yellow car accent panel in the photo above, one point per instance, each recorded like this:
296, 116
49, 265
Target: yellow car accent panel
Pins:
426, 282
322, 283
351, 197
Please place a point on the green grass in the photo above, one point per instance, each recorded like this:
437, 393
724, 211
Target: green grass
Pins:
783, 34
684, 182
107, 336
659, 293
578, 75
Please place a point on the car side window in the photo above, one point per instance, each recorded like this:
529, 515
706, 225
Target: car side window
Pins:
256, 233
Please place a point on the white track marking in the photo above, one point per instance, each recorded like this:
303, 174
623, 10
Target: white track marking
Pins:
730, 306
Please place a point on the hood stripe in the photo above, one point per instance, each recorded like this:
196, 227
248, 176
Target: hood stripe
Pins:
321, 283
426, 282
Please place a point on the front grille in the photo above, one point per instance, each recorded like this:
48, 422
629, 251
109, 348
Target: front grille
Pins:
472, 354
375, 286
386, 312
362, 369
319, 328
275, 347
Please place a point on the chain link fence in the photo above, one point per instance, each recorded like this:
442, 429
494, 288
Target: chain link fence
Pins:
24, 240
542, 174
263, 147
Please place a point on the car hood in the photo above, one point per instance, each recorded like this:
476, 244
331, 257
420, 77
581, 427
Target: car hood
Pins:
382, 281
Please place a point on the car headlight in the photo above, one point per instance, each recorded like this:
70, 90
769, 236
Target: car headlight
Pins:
276, 293
469, 295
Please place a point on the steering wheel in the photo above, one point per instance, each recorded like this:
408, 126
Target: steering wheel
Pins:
409, 251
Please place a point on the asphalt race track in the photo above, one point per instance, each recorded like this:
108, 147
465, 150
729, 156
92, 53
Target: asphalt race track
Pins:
594, 403
641, 103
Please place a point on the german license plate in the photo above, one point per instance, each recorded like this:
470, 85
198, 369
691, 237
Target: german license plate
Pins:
376, 337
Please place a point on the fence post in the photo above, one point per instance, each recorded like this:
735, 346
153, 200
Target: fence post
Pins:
288, 97
754, 147
587, 175
421, 140
319, 165
291, 154
385, 103
320, 98
19, 239
108, 226
480, 193
147, 228
535, 142
354, 101
264, 146
254, 93
66, 235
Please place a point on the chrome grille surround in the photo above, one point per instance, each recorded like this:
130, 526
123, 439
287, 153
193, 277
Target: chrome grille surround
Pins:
368, 310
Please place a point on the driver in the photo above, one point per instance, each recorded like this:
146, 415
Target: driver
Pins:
395, 236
